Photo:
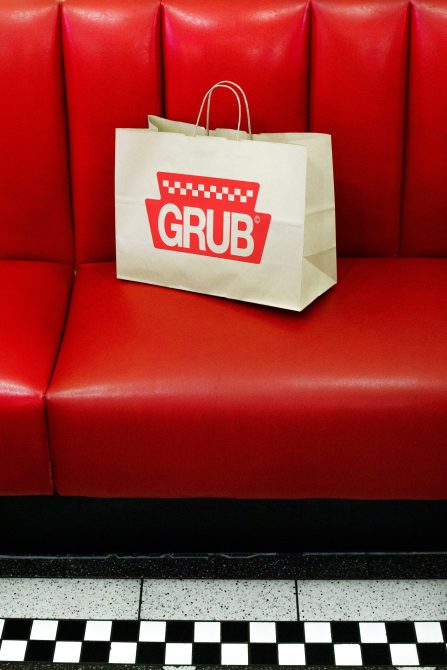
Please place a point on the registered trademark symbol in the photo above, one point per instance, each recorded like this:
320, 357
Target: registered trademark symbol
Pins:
257, 219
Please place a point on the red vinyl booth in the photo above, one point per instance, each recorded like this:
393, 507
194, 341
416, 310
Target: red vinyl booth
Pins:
118, 389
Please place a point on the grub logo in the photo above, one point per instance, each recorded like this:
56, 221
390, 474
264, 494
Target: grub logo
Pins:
208, 216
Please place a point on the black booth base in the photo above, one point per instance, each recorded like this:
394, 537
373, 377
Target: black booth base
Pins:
56, 525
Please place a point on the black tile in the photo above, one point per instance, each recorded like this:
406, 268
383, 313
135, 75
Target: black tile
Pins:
189, 566
180, 631
290, 631
109, 567
444, 630
376, 654
206, 652
71, 630
319, 654
407, 566
32, 567
432, 653
261, 653
40, 650
344, 632
16, 629
400, 632
156, 566
235, 631
267, 566
125, 631
95, 652
333, 566
151, 652
244, 566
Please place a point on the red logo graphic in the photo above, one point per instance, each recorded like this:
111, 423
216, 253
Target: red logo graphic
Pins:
208, 216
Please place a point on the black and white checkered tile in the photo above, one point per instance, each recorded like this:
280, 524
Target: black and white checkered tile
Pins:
294, 643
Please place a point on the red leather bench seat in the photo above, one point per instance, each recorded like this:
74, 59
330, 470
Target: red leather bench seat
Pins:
35, 237
163, 393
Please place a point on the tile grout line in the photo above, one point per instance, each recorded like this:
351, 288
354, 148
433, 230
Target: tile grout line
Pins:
297, 603
140, 600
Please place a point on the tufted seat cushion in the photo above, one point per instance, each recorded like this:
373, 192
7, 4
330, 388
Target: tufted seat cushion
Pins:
163, 393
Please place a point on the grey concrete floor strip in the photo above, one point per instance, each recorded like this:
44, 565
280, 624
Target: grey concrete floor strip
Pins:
219, 600
69, 598
373, 600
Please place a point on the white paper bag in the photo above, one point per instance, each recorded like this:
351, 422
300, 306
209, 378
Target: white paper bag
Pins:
225, 212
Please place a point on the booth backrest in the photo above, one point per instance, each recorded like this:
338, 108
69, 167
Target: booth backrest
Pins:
370, 72
113, 72
424, 230
35, 221
357, 93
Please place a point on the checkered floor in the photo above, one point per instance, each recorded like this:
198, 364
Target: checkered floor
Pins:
232, 643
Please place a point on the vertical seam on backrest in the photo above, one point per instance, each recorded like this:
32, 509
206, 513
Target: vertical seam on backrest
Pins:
68, 138
406, 112
67, 135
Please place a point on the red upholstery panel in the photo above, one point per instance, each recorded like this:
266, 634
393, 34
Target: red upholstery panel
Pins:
113, 75
424, 230
263, 46
359, 57
33, 303
165, 393
34, 205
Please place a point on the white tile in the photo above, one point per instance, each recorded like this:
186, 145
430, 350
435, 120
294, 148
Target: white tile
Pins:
262, 631
98, 630
13, 650
234, 654
219, 599
123, 652
207, 631
347, 654
317, 632
291, 654
404, 654
428, 631
43, 630
373, 632
67, 652
373, 600
69, 598
152, 631
178, 653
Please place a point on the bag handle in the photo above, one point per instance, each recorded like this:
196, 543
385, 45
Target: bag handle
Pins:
205, 97
229, 85
242, 92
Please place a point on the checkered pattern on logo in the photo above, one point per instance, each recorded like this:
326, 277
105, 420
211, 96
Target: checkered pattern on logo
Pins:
198, 189
285, 643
